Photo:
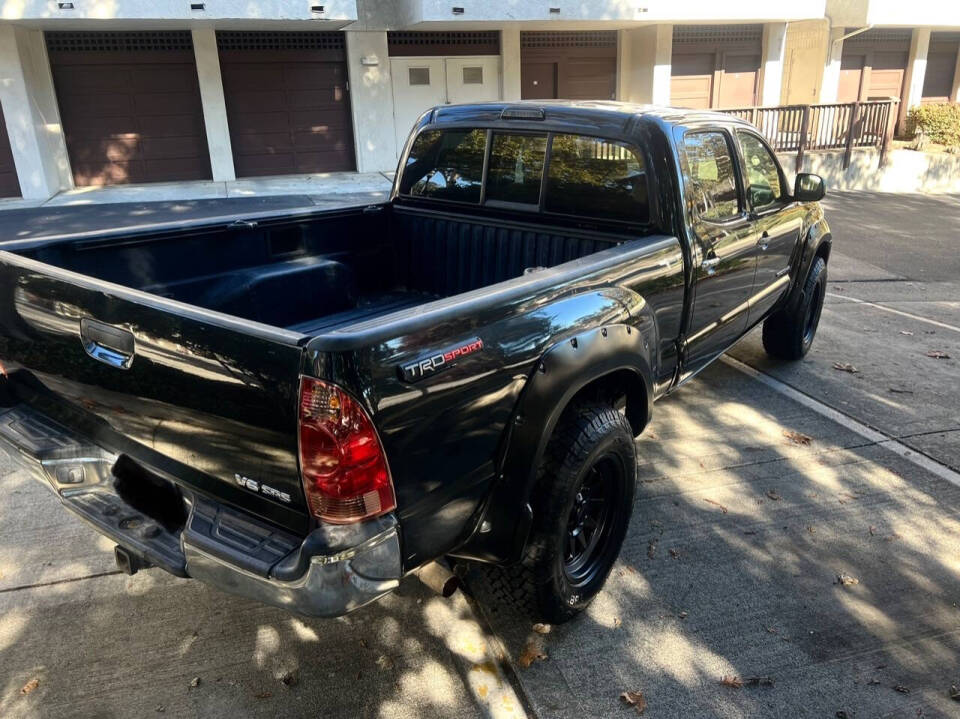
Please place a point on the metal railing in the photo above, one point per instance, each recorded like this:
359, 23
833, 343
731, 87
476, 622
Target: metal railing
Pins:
833, 126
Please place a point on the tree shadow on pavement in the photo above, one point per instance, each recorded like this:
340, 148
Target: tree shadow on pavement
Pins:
822, 567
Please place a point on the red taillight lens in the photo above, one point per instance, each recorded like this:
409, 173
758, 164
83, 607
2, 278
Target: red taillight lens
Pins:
344, 469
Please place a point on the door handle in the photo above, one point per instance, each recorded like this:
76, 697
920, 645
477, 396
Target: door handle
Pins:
764, 240
710, 264
106, 343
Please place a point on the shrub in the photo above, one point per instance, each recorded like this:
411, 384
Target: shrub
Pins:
938, 122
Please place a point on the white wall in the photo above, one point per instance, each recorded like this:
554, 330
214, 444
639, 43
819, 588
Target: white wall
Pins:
646, 55
371, 98
916, 72
214, 104
831, 71
30, 111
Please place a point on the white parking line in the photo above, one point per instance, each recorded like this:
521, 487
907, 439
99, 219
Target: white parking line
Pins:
873, 435
896, 312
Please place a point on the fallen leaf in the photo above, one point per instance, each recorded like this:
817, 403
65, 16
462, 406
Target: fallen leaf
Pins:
263, 695
675, 553
651, 550
616, 622
29, 686
634, 699
732, 682
846, 579
873, 530
900, 391
682, 615
938, 354
797, 437
530, 655
908, 333
773, 495
542, 628
195, 682
384, 662
722, 508
902, 689
160, 709
749, 532
759, 681
771, 630
841, 715
845, 367
873, 681
954, 693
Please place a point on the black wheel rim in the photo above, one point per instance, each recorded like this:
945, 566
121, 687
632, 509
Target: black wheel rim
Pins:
590, 524
812, 317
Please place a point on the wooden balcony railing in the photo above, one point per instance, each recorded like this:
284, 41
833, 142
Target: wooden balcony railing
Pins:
805, 128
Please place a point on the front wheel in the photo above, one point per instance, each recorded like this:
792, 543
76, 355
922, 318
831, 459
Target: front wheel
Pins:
581, 509
788, 335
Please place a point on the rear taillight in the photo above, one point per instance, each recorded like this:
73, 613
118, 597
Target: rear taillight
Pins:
344, 470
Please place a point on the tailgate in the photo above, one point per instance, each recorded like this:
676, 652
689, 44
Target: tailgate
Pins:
202, 397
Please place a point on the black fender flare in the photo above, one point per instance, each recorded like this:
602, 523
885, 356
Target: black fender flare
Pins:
817, 238
564, 370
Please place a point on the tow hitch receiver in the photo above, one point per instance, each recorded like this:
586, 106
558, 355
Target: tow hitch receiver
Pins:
129, 563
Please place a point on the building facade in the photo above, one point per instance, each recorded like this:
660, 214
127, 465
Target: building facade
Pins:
100, 92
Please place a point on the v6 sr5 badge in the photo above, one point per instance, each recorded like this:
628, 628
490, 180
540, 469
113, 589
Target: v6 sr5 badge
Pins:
439, 360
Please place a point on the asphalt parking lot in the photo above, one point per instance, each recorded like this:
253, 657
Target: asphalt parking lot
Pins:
796, 527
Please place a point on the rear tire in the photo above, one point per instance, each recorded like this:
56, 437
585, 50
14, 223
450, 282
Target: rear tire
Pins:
788, 335
581, 509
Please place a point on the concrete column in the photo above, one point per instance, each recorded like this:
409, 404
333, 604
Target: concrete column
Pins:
645, 61
955, 91
771, 63
916, 71
31, 114
371, 100
831, 70
510, 62
214, 104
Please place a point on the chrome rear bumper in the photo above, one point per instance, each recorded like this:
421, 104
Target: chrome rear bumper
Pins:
334, 570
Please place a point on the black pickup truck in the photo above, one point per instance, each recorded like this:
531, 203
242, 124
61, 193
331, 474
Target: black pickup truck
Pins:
305, 407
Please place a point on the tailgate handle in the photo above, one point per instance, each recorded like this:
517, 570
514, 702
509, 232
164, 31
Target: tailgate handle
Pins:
106, 343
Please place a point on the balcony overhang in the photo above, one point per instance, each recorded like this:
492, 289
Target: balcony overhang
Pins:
167, 14
589, 14
938, 15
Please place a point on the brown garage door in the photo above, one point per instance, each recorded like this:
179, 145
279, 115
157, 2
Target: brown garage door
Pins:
941, 65
287, 99
715, 65
569, 65
9, 185
873, 65
130, 106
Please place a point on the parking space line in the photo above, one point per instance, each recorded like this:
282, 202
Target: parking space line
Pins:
911, 455
896, 312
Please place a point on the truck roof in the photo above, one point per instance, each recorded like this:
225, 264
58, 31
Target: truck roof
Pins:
608, 113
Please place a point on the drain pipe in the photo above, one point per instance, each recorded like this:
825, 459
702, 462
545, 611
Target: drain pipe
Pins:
438, 578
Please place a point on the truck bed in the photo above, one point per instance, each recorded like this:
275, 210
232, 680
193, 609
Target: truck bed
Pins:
321, 272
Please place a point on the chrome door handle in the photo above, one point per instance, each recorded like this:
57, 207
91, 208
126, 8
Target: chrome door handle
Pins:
764, 241
710, 264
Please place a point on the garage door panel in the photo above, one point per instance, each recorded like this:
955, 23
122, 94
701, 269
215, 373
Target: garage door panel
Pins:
691, 80
738, 83
575, 65
286, 98
130, 106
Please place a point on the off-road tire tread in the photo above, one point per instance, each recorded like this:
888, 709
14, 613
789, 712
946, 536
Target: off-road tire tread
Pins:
783, 331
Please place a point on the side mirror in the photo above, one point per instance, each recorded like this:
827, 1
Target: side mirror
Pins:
808, 187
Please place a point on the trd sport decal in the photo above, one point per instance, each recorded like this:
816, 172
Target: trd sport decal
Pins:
437, 361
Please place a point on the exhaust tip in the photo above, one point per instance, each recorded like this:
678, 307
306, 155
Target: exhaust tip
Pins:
439, 579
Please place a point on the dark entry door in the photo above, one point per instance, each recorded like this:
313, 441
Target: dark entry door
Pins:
568, 65
539, 80
288, 103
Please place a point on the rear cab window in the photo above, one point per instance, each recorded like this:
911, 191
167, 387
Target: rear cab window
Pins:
548, 173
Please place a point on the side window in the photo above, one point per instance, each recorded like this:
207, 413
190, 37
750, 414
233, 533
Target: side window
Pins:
594, 177
446, 165
709, 175
762, 175
516, 168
